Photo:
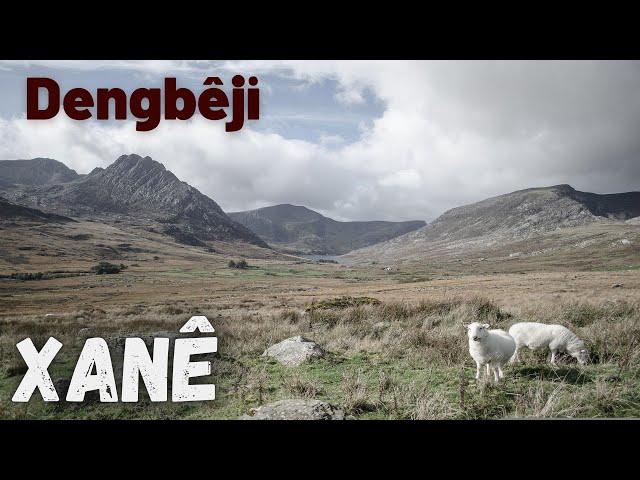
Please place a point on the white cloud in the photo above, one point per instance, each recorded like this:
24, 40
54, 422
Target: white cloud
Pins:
328, 139
403, 178
350, 95
451, 133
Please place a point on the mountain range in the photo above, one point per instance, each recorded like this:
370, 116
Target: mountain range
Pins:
301, 230
497, 222
131, 189
140, 192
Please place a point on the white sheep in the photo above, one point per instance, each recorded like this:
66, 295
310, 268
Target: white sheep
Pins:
492, 348
556, 338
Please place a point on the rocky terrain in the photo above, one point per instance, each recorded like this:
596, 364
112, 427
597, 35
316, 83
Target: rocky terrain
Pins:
133, 190
525, 219
12, 211
299, 229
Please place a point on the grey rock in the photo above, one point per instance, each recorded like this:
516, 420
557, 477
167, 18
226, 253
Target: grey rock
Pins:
295, 409
134, 187
294, 351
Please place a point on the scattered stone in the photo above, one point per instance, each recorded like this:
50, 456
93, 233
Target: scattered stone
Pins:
618, 285
294, 351
295, 409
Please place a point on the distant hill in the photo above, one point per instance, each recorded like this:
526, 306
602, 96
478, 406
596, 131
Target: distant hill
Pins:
13, 211
140, 189
37, 171
498, 221
299, 229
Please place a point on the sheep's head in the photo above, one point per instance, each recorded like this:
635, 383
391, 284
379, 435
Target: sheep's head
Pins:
582, 356
578, 351
477, 331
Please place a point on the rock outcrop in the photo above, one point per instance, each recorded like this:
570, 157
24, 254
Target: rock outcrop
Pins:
294, 351
295, 409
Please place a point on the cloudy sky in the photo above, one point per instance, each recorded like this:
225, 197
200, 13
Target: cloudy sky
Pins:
359, 140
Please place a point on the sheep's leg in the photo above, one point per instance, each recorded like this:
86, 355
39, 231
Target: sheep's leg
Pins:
488, 370
478, 370
500, 372
515, 358
553, 357
496, 377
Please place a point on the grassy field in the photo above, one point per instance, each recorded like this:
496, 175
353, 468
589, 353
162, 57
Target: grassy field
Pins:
402, 356
391, 360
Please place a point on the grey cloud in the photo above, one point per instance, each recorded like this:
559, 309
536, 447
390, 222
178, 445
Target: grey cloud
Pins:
450, 133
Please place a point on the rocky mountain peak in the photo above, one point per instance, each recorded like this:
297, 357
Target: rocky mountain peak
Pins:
135, 167
141, 187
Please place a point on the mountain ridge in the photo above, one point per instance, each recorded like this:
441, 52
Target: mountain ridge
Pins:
10, 211
299, 229
506, 218
143, 188
36, 171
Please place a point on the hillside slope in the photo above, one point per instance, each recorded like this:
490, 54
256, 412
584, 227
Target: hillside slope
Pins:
299, 229
12, 211
497, 222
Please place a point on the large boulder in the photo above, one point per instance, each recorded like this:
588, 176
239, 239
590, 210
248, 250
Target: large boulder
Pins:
294, 351
295, 409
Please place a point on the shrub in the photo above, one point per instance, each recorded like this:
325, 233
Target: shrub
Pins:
27, 276
241, 264
299, 386
343, 302
103, 268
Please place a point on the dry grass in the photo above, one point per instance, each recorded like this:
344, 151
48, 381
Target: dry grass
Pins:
397, 343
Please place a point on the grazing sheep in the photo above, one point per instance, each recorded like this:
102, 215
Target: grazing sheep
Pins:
556, 338
492, 348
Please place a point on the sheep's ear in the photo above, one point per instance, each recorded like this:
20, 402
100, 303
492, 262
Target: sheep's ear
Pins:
466, 325
486, 325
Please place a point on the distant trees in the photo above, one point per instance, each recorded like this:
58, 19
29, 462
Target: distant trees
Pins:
103, 268
242, 264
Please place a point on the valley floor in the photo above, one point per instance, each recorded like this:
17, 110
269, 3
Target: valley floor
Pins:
405, 357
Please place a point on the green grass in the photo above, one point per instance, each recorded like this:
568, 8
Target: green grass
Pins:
248, 273
385, 361
386, 389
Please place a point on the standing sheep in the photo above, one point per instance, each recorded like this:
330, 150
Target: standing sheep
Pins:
492, 348
556, 338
